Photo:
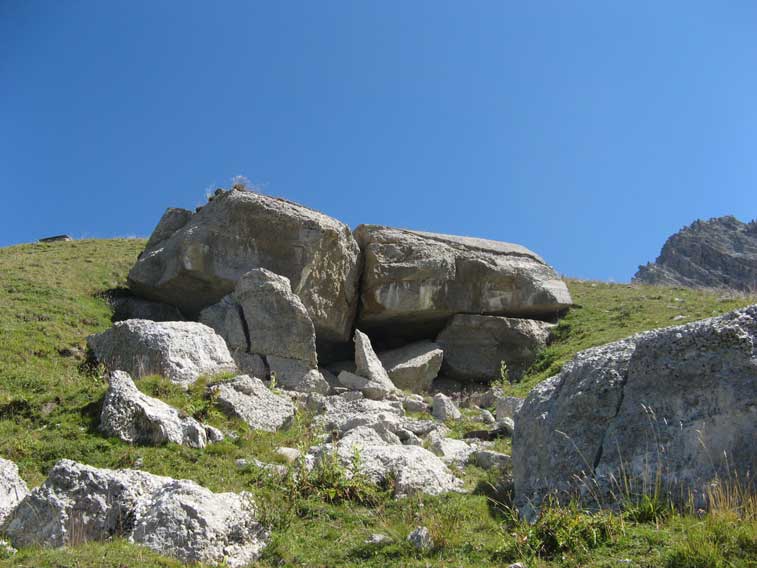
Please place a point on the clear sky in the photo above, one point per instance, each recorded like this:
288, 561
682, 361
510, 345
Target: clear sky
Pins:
587, 131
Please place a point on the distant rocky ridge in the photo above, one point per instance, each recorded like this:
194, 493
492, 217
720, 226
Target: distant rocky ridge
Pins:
719, 253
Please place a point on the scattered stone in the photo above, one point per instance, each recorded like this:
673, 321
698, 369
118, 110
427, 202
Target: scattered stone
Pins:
367, 387
415, 403
180, 351
444, 409
276, 469
291, 455
487, 459
214, 434
250, 400
684, 392
420, 538
414, 281
194, 260
413, 367
487, 417
475, 346
12, 488
452, 451
506, 426
378, 539
296, 375
134, 417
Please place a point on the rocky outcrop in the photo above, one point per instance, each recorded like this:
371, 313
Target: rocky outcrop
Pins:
250, 400
79, 503
719, 253
475, 346
194, 260
413, 367
12, 488
413, 281
134, 417
677, 404
179, 351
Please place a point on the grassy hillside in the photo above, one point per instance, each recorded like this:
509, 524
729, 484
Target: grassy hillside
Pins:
51, 299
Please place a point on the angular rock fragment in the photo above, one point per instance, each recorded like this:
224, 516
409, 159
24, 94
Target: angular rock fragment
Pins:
134, 417
444, 408
250, 400
180, 351
413, 367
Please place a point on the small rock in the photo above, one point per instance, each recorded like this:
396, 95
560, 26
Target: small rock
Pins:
507, 407
415, 403
213, 434
249, 399
444, 409
420, 538
291, 455
487, 417
378, 539
487, 459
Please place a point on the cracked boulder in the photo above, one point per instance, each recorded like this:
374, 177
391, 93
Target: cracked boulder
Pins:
192, 260
180, 351
414, 281
685, 393
250, 400
475, 346
134, 417
79, 503
12, 488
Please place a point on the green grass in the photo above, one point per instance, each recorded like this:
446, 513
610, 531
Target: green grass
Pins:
51, 299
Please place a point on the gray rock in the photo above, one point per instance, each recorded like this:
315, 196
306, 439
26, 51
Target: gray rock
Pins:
134, 417
276, 319
487, 417
452, 451
214, 434
414, 281
378, 539
506, 426
488, 459
475, 346
12, 488
367, 363
719, 253
80, 503
508, 407
297, 375
275, 469
367, 387
196, 259
413, 367
227, 319
291, 455
180, 351
415, 403
413, 469
420, 538
191, 523
677, 403
251, 364
250, 400
444, 408
343, 415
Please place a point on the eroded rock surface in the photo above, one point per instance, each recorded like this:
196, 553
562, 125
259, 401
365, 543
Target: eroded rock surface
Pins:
686, 393
180, 351
12, 488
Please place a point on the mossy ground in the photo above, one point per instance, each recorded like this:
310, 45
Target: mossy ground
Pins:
51, 299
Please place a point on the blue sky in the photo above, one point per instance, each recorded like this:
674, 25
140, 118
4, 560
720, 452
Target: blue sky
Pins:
587, 131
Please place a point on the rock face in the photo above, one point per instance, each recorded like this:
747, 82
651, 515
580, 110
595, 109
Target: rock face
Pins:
180, 351
413, 281
79, 503
132, 416
194, 260
678, 402
475, 346
12, 488
249, 399
719, 253
413, 367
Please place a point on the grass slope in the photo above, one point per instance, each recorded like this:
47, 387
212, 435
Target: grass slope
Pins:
50, 300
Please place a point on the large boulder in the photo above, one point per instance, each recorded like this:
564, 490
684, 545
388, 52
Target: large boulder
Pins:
194, 260
475, 346
180, 351
674, 406
249, 399
134, 417
413, 367
80, 503
12, 488
719, 253
414, 281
